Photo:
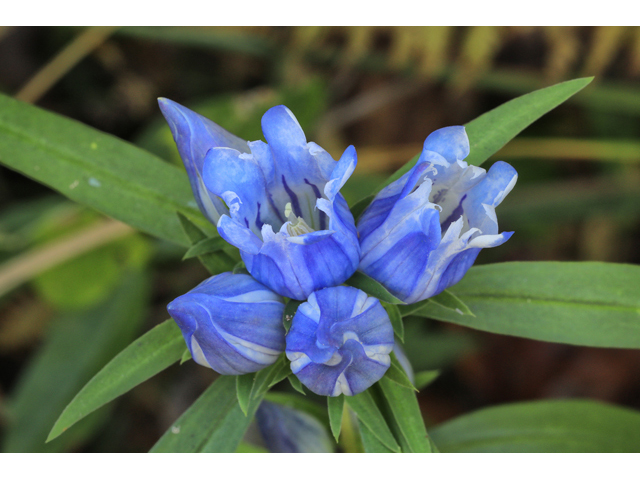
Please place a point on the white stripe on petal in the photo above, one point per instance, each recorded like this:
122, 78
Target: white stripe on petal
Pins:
298, 360
198, 354
342, 386
310, 308
256, 296
254, 352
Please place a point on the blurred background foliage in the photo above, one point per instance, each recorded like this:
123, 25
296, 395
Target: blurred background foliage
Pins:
76, 287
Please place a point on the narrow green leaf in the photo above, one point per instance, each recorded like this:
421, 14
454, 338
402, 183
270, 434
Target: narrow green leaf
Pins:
265, 376
244, 385
295, 383
369, 414
445, 299
543, 426
370, 441
245, 447
426, 378
215, 262
397, 374
491, 131
407, 418
150, 354
371, 287
186, 356
586, 303
335, 408
396, 319
76, 348
207, 245
283, 372
97, 170
299, 403
214, 423
448, 300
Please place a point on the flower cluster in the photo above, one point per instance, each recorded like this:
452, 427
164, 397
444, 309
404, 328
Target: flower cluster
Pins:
279, 203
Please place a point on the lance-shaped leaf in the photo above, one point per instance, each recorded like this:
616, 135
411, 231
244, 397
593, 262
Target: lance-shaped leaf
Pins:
154, 351
543, 426
97, 170
587, 303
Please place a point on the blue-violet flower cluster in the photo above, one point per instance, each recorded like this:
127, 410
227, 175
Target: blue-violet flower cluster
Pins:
279, 203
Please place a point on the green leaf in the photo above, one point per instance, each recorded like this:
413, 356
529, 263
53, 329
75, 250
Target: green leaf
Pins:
296, 384
426, 378
492, 130
396, 374
244, 385
369, 414
76, 347
586, 303
215, 262
186, 356
283, 372
396, 319
370, 441
207, 245
214, 423
154, 351
266, 376
445, 299
335, 408
372, 288
407, 418
97, 170
299, 403
543, 426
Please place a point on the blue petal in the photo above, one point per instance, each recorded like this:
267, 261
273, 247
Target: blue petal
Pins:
231, 323
488, 194
238, 179
239, 236
195, 135
339, 342
450, 142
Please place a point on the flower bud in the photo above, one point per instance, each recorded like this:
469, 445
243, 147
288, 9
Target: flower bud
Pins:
423, 232
231, 323
340, 341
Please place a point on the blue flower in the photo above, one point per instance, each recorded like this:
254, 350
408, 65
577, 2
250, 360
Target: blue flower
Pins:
195, 135
423, 232
293, 228
340, 341
231, 323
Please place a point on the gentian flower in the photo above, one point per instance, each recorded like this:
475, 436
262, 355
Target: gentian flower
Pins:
339, 342
278, 202
195, 135
293, 228
423, 232
231, 323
